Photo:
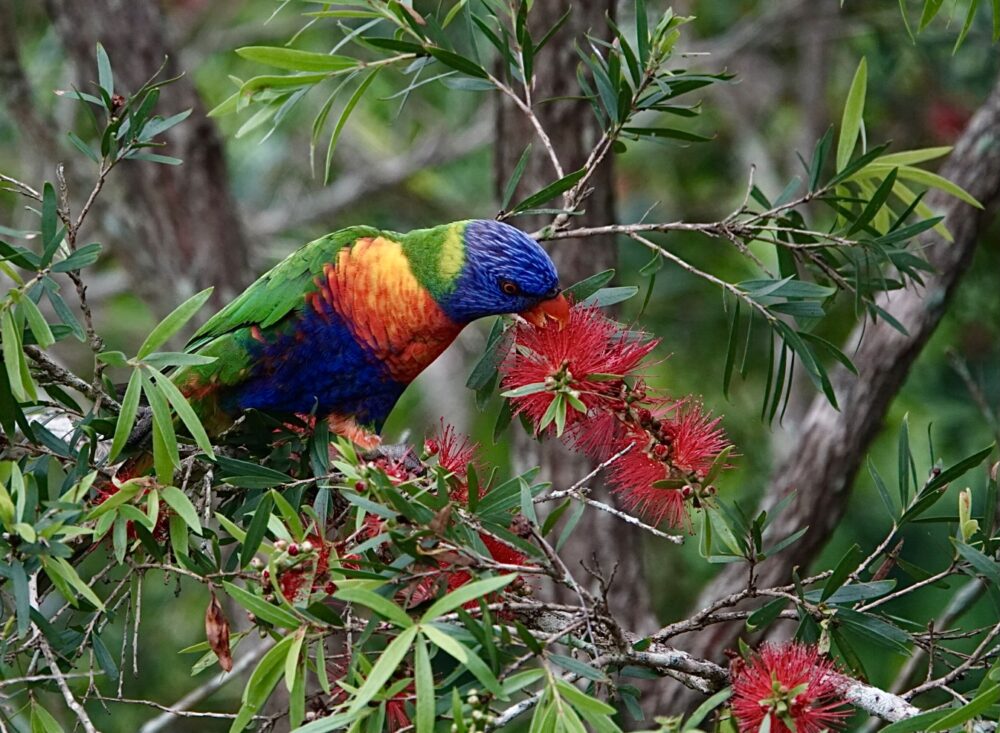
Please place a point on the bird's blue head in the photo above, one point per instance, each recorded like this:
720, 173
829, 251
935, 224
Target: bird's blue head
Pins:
502, 270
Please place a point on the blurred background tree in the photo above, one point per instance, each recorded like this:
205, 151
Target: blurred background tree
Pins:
245, 196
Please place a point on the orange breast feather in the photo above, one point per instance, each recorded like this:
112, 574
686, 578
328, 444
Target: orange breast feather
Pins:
373, 289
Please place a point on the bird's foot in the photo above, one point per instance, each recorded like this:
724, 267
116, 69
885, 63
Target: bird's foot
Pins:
396, 457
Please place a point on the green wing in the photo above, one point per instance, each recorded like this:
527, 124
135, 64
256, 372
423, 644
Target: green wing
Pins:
281, 289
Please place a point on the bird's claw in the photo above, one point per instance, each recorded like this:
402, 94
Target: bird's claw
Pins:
397, 454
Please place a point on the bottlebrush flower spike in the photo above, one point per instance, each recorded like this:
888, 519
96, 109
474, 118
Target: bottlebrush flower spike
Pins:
311, 569
454, 452
694, 437
570, 370
792, 685
677, 442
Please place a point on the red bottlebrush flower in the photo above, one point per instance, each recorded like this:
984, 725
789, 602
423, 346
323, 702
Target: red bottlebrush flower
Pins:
596, 435
575, 359
396, 469
790, 683
501, 551
694, 437
373, 526
632, 477
454, 452
312, 568
679, 442
395, 710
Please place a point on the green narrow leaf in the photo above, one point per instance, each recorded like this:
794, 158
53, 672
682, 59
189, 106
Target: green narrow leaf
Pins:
104, 659
344, 115
177, 501
988, 568
765, 614
969, 16
173, 322
705, 708
295, 60
953, 472
883, 492
126, 418
379, 604
50, 219
83, 257
876, 202
844, 568
727, 372
933, 180
387, 663
583, 289
166, 455
903, 458
69, 574
260, 608
278, 82
931, 8
39, 327
10, 342
465, 593
642, 31
515, 178
256, 530
105, 79
610, 296
970, 710
179, 539
550, 192
321, 674
820, 154
424, 680
292, 658
262, 681
916, 724
22, 598
850, 124
458, 63
184, 411
464, 656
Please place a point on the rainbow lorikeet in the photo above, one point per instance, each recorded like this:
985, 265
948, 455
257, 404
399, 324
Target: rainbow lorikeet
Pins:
341, 327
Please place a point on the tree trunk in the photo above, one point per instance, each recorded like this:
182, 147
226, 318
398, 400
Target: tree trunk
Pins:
181, 231
830, 446
574, 131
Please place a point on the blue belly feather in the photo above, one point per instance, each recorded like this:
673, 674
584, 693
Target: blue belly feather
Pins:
313, 363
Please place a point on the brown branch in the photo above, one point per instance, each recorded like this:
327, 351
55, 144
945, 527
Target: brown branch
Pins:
55, 374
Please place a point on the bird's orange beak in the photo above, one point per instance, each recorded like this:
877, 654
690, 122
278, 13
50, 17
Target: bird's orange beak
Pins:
556, 308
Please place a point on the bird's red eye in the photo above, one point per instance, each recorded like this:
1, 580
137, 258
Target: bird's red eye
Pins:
509, 287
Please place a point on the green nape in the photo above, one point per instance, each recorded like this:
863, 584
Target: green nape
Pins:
437, 256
